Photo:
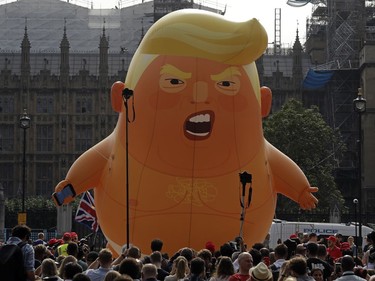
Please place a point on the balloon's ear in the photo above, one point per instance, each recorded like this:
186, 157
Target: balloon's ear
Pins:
116, 95
266, 101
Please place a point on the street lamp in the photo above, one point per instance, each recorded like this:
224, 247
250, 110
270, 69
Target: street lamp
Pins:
355, 202
359, 105
24, 124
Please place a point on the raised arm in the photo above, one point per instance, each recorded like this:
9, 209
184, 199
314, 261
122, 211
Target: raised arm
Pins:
289, 179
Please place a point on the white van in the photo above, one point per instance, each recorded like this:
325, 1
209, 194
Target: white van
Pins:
281, 229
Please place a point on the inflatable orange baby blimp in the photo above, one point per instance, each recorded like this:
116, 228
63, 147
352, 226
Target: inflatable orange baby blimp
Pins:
198, 126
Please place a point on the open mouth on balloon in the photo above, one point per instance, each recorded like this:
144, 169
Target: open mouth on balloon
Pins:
198, 126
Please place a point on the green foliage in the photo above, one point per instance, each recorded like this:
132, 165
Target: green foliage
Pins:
305, 137
41, 211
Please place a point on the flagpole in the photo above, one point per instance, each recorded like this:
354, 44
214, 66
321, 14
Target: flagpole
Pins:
127, 94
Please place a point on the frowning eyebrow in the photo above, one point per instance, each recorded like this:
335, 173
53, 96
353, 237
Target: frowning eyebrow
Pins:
170, 69
230, 71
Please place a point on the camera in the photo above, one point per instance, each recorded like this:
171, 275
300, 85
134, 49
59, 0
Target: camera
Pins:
338, 268
83, 247
236, 243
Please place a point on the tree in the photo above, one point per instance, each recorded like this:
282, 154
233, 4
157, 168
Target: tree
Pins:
306, 138
41, 212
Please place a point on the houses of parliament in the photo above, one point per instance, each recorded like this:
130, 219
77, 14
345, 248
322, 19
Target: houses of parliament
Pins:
58, 61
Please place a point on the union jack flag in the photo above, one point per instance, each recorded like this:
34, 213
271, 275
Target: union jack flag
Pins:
86, 213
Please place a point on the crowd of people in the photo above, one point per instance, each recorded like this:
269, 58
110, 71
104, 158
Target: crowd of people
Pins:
304, 256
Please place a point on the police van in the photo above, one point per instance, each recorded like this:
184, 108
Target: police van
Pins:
282, 230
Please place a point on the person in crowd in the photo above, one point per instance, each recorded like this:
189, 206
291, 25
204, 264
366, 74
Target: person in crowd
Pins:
347, 264
338, 237
111, 275
284, 272
260, 272
371, 260
368, 244
206, 255
257, 256
40, 240
291, 244
73, 250
314, 262
333, 251
226, 250
370, 240
156, 245
361, 272
180, 269
317, 274
353, 246
49, 270
91, 257
81, 277
197, 270
265, 253
322, 253
64, 262
135, 253
245, 262
281, 254
99, 268
71, 269
156, 259
59, 261
224, 270
235, 259
313, 237
301, 250
40, 253
149, 272
61, 250
266, 241
21, 235
74, 237
131, 267
187, 253
298, 268
305, 238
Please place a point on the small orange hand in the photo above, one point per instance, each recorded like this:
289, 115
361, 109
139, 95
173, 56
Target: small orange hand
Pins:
64, 193
307, 200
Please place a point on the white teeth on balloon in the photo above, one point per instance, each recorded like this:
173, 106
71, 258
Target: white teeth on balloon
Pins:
200, 118
198, 134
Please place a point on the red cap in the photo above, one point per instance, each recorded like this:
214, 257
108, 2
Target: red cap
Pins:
293, 236
345, 246
332, 238
210, 246
52, 241
67, 236
73, 235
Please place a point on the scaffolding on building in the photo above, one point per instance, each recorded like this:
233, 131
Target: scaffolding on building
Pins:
341, 26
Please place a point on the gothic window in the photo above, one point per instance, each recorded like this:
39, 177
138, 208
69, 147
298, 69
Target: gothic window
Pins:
44, 138
7, 178
6, 104
6, 137
44, 104
44, 176
83, 137
83, 103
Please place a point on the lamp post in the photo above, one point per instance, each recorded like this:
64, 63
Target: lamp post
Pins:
24, 124
355, 202
359, 105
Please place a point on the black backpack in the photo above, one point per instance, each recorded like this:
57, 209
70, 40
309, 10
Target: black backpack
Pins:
11, 262
275, 271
